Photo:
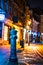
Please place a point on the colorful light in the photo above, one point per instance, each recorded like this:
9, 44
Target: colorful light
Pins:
29, 22
5, 33
2, 17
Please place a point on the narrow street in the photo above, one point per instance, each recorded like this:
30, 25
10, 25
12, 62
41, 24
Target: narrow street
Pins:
30, 54
21, 32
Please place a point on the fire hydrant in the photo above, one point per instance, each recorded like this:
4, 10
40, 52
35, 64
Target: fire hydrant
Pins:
13, 37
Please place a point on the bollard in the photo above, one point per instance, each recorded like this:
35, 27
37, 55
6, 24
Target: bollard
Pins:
13, 37
22, 43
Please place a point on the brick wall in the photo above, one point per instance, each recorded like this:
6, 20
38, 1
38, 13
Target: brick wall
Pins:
35, 24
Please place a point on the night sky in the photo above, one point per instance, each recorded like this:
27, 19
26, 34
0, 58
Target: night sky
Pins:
36, 4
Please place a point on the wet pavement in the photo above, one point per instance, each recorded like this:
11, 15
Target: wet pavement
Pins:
29, 56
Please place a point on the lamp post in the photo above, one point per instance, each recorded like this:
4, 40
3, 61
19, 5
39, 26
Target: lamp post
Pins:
28, 27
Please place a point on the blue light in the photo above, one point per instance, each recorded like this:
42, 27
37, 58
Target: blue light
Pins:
38, 34
2, 17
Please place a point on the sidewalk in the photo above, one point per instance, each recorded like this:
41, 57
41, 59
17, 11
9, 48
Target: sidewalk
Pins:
24, 56
5, 54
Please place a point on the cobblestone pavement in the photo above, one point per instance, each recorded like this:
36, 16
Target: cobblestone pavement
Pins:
28, 56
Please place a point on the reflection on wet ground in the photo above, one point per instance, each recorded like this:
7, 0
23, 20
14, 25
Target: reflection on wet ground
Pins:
35, 64
12, 63
16, 63
31, 55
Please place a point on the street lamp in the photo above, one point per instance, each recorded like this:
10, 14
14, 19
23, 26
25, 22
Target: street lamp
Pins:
29, 22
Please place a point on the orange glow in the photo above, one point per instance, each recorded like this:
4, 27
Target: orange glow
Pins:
34, 47
9, 23
30, 47
29, 22
5, 33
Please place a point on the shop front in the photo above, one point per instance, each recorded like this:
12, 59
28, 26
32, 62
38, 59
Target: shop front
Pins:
2, 17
